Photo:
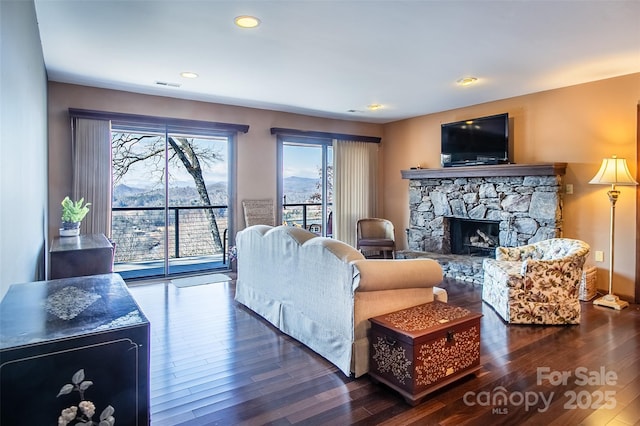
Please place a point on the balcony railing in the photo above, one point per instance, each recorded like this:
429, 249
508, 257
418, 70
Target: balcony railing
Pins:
308, 216
139, 232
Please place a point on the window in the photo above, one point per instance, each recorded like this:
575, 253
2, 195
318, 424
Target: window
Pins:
170, 202
346, 168
172, 181
305, 183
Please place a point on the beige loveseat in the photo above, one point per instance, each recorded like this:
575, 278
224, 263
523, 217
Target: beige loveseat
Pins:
322, 292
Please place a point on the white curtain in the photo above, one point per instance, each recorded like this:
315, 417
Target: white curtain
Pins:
91, 150
355, 186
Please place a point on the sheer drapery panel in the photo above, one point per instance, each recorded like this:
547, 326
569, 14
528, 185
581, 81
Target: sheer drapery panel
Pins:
91, 151
355, 187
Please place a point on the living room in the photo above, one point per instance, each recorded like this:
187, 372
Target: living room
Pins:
579, 125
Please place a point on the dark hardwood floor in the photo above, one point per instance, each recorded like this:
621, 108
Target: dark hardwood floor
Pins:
215, 362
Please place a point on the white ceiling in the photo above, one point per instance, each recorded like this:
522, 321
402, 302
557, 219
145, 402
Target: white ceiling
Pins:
324, 58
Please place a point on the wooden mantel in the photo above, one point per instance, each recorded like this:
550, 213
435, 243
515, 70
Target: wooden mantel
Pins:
494, 170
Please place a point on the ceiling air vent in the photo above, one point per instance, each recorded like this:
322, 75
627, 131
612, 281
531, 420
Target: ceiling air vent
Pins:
164, 83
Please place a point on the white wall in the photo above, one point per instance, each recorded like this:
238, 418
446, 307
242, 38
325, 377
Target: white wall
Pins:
23, 146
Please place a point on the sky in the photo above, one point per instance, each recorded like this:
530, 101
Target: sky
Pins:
303, 161
144, 175
300, 161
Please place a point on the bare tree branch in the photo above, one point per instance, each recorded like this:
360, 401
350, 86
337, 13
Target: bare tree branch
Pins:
184, 150
129, 149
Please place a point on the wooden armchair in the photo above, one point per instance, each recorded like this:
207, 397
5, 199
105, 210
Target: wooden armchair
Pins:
376, 235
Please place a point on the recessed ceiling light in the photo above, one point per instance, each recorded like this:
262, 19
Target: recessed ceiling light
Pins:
246, 21
188, 74
374, 107
466, 81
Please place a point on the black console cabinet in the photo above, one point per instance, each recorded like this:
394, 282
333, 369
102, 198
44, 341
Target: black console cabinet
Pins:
49, 330
86, 254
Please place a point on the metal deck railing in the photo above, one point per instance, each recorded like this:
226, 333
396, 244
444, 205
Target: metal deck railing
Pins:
139, 234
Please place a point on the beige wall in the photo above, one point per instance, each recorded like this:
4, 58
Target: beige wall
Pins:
578, 125
256, 149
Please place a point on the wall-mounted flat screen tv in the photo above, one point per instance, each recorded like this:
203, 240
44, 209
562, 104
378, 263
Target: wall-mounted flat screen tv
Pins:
477, 141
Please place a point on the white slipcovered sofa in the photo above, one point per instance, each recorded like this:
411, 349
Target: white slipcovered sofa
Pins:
322, 292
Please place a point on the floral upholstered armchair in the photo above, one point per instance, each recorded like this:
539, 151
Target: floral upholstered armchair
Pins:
536, 283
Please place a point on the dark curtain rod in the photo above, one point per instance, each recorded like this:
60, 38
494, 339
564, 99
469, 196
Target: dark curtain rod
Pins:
327, 135
147, 119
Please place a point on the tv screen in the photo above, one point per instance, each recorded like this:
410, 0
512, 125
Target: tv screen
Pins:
477, 141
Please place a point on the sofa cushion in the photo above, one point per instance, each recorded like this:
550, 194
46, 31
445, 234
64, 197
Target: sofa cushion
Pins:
376, 242
341, 250
387, 274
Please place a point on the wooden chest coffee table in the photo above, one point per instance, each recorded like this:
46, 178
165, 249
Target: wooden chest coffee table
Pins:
421, 349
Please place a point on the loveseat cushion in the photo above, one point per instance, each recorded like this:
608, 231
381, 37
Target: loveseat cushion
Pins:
504, 271
553, 248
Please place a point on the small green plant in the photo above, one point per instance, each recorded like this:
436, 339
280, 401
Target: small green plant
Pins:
74, 211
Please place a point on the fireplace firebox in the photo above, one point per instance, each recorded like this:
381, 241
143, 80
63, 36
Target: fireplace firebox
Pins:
474, 237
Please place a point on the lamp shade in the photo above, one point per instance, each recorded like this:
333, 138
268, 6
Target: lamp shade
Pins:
613, 171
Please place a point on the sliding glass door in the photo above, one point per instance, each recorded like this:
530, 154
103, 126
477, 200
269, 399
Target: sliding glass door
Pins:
170, 200
197, 200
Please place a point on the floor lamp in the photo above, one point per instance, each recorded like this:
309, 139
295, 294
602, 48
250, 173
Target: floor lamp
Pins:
613, 171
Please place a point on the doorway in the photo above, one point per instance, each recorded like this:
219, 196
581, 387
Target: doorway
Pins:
170, 204
306, 184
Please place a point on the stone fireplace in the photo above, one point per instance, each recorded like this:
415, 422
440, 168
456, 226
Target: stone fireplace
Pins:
523, 203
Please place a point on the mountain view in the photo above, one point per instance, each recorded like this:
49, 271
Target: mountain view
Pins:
296, 189
299, 189
139, 234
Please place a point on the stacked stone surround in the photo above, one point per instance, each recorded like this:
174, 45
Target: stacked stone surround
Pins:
526, 201
456, 266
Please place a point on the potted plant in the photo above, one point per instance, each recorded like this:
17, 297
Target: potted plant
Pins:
72, 215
